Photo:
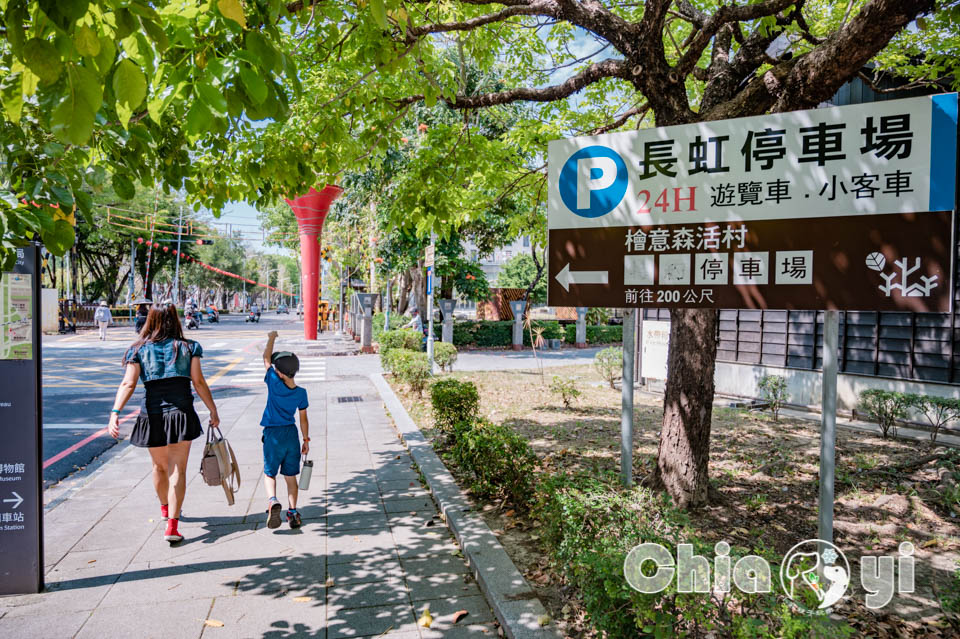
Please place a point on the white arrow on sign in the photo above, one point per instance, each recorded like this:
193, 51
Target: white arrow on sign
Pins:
566, 277
16, 502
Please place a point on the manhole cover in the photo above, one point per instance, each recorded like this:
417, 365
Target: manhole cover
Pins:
345, 399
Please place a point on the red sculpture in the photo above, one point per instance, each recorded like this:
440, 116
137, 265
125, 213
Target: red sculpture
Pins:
311, 209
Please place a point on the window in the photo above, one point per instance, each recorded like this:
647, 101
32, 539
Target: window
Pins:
526, 242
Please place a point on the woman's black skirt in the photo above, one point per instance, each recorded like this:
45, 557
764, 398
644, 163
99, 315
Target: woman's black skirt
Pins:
166, 415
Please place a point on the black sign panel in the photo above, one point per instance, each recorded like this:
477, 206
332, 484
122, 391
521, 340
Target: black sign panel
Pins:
21, 465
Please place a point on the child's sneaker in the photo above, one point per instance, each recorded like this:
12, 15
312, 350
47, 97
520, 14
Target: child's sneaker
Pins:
293, 518
164, 512
172, 534
273, 513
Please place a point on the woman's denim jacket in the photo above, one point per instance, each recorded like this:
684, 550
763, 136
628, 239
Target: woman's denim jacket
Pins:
164, 359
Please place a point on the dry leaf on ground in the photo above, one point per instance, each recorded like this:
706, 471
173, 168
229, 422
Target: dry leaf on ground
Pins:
213, 623
458, 615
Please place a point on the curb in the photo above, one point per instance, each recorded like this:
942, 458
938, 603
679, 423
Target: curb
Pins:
514, 602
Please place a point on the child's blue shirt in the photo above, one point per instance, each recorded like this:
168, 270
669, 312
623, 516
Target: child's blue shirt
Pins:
282, 401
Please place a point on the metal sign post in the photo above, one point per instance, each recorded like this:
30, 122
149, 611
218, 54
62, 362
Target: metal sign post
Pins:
21, 465
386, 306
828, 425
626, 401
428, 262
429, 317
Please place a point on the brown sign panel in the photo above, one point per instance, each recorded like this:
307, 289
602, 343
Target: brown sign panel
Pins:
891, 262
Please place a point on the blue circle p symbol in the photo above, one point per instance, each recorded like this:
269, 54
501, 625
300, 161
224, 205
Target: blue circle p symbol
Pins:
593, 181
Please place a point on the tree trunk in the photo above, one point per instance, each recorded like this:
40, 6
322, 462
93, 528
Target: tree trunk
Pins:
540, 266
404, 299
684, 453
419, 285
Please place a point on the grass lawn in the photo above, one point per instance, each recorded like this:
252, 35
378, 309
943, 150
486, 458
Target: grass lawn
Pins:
764, 490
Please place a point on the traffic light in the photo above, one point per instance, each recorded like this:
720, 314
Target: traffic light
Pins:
201, 242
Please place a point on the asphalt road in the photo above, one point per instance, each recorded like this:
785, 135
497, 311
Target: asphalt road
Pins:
81, 375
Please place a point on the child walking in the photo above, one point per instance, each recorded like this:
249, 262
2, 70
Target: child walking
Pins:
281, 442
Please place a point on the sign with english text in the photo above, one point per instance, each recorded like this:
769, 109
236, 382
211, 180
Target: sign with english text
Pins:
844, 207
21, 466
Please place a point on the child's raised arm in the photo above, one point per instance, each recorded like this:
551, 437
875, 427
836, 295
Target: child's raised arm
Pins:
268, 349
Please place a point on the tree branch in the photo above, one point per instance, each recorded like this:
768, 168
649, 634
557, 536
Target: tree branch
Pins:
725, 15
593, 73
536, 8
818, 74
620, 121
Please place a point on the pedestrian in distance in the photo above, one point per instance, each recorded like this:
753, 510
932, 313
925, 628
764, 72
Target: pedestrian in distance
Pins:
281, 442
102, 317
141, 318
415, 323
167, 363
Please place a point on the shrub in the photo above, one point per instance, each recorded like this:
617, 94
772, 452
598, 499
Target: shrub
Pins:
500, 462
939, 411
609, 364
402, 339
379, 319
455, 403
589, 524
597, 316
566, 389
411, 368
444, 354
596, 334
406, 338
885, 408
773, 389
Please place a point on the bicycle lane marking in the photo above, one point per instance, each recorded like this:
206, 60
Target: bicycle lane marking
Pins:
83, 442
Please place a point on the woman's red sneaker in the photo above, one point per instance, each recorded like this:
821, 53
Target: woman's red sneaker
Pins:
172, 534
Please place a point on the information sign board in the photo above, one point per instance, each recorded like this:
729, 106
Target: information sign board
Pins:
21, 492
847, 208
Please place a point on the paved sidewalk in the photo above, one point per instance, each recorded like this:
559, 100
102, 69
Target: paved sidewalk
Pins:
372, 552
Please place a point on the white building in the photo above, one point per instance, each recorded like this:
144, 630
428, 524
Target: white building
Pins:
493, 262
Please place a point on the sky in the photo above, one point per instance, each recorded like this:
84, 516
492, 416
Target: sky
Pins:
240, 216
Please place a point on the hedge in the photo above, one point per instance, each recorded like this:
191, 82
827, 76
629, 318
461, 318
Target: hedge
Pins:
487, 333
596, 334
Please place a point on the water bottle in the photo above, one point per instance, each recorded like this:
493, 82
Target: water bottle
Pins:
306, 471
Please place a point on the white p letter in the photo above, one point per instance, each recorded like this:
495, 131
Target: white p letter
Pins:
586, 183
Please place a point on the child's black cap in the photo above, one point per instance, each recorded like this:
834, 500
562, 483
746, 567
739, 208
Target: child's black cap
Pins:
286, 363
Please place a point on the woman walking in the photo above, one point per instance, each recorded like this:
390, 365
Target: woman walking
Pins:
167, 423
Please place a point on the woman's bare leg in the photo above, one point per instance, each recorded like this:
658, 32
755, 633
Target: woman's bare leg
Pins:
178, 454
161, 476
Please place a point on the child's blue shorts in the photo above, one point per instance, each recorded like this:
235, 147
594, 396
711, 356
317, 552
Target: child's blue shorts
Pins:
281, 451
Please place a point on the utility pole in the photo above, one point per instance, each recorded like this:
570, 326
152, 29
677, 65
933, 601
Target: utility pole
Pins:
133, 264
176, 275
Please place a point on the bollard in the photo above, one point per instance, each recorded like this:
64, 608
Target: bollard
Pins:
581, 341
366, 302
446, 307
517, 308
